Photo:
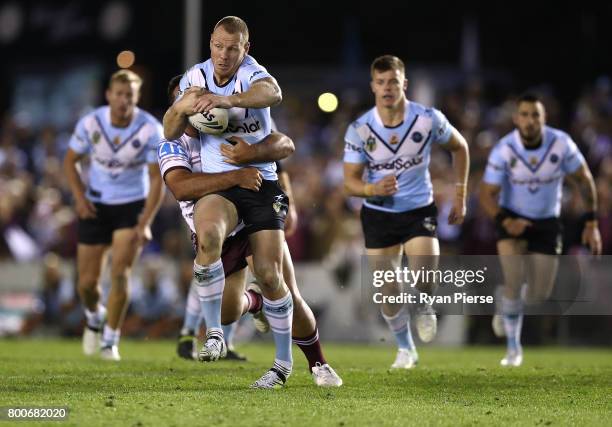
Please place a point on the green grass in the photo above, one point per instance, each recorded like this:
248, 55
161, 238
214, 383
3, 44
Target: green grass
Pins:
450, 387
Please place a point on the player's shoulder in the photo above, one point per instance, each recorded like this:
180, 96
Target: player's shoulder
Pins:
558, 135
197, 68
365, 119
250, 68
422, 110
147, 118
505, 143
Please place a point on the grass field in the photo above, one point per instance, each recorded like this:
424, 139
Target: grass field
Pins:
450, 387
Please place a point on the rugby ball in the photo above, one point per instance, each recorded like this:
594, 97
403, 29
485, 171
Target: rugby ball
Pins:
213, 122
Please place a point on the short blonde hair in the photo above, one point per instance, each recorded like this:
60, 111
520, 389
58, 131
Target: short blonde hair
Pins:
233, 25
125, 76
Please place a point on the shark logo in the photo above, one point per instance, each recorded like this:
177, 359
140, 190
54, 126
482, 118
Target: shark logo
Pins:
279, 204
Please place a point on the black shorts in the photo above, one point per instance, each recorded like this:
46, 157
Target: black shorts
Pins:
99, 230
235, 250
545, 236
383, 229
265, 209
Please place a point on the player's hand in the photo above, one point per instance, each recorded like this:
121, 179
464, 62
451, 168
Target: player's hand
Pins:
457, 212
291, 221
516, 226
248, 178
186, 105
591, 237
386, 186
209, 101
85, 208
240, 153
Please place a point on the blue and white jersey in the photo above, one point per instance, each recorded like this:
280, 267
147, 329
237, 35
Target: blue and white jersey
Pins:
183, 153
531, 179
251, 124
403, 150
119, 156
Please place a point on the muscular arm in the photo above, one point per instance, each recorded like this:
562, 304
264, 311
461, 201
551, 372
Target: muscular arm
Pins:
458, 147
275, 146
263, 93
85, 209
585, 182
175, 119
590, 235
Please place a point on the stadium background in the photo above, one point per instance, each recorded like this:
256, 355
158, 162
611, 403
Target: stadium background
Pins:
468, 62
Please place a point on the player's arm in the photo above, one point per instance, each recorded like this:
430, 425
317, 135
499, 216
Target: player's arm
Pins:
84, 207
590, 235
152, 203
175, 119
458, 147
186, 185
275, 146
489, 200
354, 184
263, 93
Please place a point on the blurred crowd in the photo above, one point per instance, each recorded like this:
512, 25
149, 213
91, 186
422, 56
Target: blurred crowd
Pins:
37, 218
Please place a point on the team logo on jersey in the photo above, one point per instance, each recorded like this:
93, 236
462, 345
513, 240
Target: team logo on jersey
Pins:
430, 223
512, 162
116, 140
394, 139
95, 138
554, 158
417, 137
533, 161
279, 204
136, 143
370, 144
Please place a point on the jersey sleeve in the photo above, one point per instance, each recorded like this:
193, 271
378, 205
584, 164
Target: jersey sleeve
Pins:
251, 73
353, 146
184, 84
496, 167
79, 141
573, 159
153, 142
441, 129
171, 155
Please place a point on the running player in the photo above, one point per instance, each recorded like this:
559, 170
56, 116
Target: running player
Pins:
392, 143
522, 192
181, 170
116, 207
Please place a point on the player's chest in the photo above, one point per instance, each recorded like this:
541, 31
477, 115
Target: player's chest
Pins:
540, 165
121, 145
412, 139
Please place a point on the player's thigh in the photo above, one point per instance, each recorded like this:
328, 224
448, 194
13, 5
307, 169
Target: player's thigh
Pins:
511, 257
125, 250
216, 212
541, 275
231, 306
90, 261
422, 251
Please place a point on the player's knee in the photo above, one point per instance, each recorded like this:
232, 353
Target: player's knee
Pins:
210, 238
269, 275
